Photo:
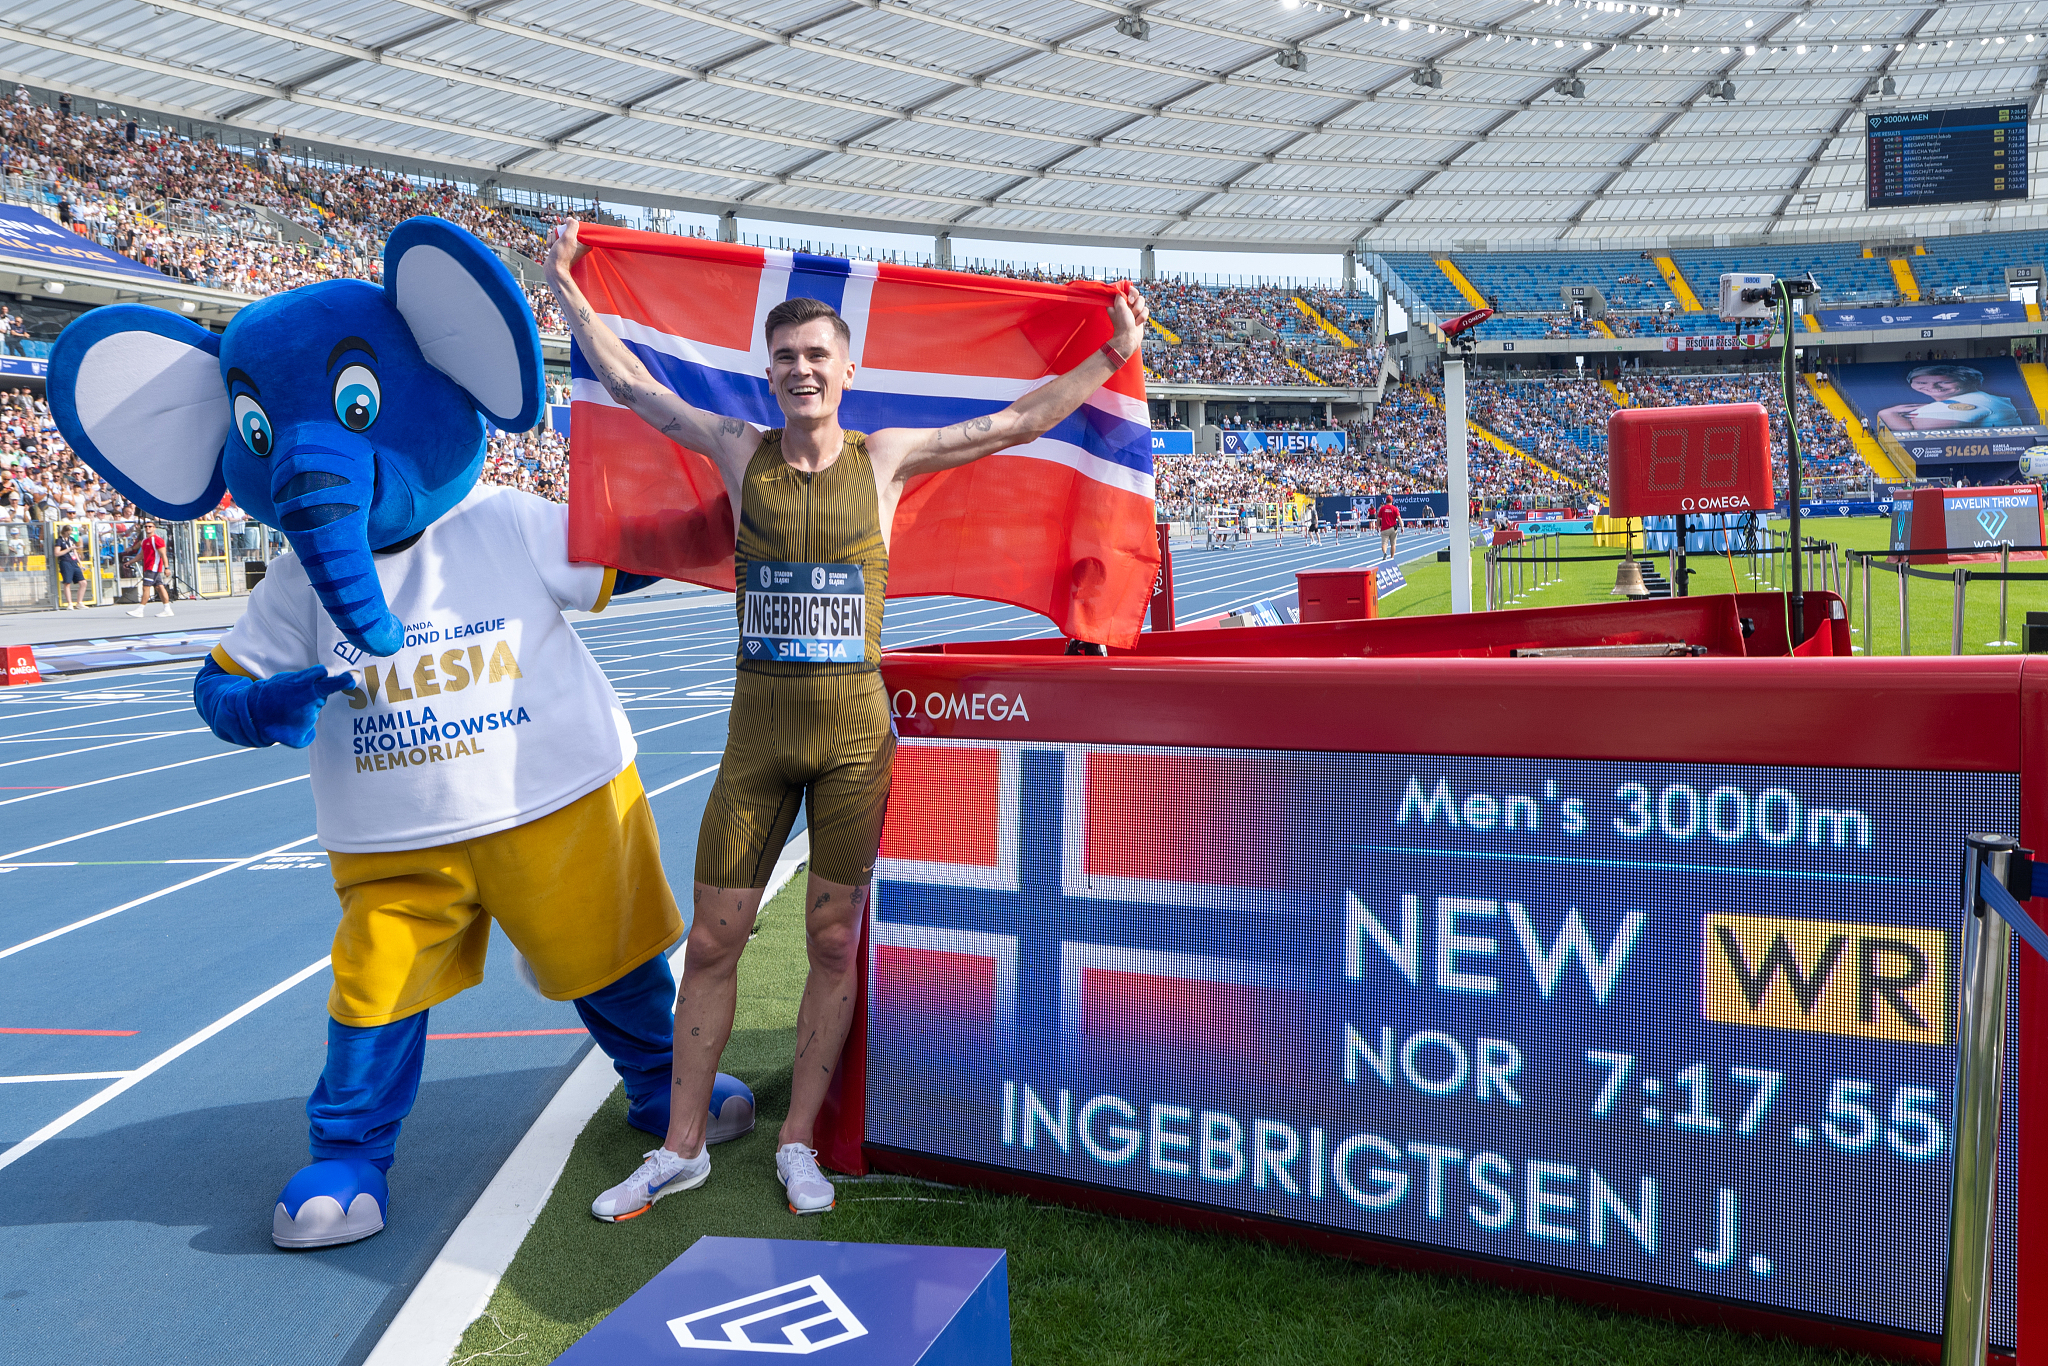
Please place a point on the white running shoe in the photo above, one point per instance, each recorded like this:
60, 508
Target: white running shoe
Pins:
808, 1190
137, 612
663, 1173
166, 612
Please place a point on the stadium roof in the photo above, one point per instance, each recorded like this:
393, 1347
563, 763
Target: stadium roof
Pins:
1260, 124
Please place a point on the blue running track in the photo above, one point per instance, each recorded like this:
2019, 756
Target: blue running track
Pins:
165, 918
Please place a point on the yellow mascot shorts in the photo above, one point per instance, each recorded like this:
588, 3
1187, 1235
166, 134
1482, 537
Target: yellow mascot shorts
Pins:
580, 892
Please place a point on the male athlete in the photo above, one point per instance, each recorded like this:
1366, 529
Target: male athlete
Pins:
812, 506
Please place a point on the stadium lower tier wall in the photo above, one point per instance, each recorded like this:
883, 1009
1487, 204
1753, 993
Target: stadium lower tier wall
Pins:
1625, 979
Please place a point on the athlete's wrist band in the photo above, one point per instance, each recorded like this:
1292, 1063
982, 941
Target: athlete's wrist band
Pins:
1120, 359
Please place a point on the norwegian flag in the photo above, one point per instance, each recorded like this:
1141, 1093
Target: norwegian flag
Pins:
988, 913
1063, 526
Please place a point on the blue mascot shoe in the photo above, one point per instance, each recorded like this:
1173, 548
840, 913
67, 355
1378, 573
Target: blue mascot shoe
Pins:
341, 1200
732, 1110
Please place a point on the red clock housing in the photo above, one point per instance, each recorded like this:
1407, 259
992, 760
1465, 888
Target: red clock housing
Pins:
1710, 457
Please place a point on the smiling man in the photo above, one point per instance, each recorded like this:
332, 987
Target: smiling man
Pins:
813, 506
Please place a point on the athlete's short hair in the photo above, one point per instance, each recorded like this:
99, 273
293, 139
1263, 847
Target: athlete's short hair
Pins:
800, 310
1961, 374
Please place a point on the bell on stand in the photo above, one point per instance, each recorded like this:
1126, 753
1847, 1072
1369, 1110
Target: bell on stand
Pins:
1628, 580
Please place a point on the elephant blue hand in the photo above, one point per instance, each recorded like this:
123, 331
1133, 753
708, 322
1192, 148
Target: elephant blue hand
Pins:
270, 711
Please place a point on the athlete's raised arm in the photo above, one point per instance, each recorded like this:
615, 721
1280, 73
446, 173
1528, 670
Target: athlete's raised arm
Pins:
899, 453
728, 441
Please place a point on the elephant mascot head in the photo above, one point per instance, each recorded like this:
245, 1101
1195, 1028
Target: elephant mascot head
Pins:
345, 414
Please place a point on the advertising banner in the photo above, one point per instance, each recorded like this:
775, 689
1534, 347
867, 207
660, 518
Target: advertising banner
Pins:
1922, 400
1949, 413
1720, 341
26, 235
1269, 443
1921, 315
1998, 450
1415, 507
1172, 443
23, 367
1681, 1026
1838, 508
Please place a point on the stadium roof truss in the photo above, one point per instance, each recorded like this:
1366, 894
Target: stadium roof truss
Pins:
1247, 124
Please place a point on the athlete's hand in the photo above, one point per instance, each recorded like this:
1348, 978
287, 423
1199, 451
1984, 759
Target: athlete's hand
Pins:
1128, 314
564, 250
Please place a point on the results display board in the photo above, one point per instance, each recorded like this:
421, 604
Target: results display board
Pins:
1947, 156
1682, 1026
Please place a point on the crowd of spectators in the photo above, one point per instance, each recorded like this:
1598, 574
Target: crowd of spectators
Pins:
1563, 423
535, 461
1560, 425
1239, 335
1827, 454
40, 476
196, 210
258, 222
1401, 450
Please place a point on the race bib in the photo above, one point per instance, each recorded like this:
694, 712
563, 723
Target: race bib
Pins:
805, 613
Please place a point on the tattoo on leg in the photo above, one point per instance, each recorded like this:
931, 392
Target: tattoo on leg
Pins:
819, 904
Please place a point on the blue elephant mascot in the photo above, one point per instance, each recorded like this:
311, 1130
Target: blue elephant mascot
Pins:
470, 761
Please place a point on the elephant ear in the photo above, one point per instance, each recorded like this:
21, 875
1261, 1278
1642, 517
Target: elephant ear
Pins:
138, 394
468, 316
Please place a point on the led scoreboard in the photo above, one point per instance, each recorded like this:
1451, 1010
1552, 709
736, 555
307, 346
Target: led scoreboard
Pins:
1705, 457
1947, 156
1683, 1022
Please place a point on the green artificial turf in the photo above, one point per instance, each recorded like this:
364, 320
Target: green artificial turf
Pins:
1930, 602
1084, 1288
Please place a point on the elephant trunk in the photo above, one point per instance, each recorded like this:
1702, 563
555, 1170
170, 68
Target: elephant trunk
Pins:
323, 486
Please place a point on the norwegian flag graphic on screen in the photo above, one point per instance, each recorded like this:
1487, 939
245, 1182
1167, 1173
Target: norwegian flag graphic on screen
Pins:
975, 956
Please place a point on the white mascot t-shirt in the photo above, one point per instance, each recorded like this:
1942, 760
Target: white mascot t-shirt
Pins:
492, 715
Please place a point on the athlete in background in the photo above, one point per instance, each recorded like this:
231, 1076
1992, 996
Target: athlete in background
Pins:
812, 503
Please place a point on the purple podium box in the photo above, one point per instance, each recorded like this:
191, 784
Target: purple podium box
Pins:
863, 1304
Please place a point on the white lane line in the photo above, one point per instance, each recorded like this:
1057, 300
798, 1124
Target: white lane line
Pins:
103, 735
105, 863
118, 720
153, 1066
458, 1286
144, 900
95, 782
65, 1076
155, 815
686, 778
684, 722
111, 744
